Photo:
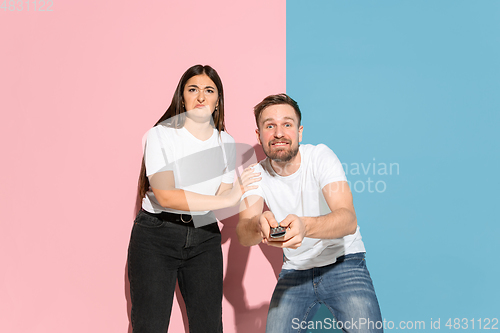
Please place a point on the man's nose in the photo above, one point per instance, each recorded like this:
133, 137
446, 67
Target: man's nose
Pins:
278, 133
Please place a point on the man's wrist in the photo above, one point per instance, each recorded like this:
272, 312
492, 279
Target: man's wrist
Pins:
308, 222
255, 225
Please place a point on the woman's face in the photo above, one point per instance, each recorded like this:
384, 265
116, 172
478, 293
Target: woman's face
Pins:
200, 97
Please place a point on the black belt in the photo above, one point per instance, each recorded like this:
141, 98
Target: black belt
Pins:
181, 219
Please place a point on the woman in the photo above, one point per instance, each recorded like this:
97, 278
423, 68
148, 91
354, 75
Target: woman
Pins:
187, 171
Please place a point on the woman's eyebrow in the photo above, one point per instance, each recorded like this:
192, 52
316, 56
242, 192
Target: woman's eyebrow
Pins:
196, 86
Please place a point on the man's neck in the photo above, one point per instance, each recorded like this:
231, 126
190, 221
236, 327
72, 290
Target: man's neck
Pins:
286, 168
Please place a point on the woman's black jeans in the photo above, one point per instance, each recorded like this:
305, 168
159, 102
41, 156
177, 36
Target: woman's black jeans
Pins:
161, 253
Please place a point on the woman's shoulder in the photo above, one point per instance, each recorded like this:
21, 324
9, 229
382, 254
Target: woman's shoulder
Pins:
226, 138
161, 133
165, 130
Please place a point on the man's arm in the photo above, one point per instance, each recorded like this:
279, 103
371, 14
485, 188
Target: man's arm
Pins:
249, 229
342, 219
340, 222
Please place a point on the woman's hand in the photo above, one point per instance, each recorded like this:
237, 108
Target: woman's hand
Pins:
244, 184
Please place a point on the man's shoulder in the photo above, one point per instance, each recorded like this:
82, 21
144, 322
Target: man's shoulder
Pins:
315, 152
264, 167
323, 161
320, 147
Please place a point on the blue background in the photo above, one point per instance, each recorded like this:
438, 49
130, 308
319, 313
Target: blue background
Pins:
414, 83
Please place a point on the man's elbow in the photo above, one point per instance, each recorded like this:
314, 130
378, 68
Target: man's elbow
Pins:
244, 236
244, 241
241, 237
353, 226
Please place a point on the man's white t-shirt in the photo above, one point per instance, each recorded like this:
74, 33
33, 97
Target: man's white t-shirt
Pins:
198, 166
301, 194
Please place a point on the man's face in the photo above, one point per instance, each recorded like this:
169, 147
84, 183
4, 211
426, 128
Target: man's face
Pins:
279, 132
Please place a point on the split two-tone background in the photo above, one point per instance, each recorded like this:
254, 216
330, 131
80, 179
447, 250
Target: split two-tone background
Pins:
405, 92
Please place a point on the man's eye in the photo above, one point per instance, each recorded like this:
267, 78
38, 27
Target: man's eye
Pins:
269, 126
288, 125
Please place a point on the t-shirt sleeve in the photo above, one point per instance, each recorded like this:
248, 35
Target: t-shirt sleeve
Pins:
229, 147
328, 166
157, 155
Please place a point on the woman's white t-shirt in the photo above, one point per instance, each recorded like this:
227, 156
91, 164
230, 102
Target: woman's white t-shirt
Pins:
198, 166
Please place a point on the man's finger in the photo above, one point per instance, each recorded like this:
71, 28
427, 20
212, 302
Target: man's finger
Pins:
274, 243
288, 220
270, 220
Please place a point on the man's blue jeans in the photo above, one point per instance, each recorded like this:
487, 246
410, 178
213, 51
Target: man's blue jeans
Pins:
344, 287
161, 253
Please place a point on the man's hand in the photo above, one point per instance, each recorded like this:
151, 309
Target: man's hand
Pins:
295, 232
266, 222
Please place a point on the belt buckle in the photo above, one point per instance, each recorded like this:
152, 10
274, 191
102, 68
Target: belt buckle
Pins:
186, 221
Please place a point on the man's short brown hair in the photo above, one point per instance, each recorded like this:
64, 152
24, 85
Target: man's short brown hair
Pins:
276, 100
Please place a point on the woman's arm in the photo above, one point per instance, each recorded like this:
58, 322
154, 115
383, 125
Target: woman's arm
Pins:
228, 195
224, 188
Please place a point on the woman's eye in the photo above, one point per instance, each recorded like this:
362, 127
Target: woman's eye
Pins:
210, 91
193, 90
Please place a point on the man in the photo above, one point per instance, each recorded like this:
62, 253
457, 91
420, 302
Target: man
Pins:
307, 193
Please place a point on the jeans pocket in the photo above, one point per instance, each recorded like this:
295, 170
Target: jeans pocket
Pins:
145, 220
356, 260
284, 272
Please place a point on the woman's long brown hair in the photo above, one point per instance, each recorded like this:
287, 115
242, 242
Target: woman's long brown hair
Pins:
175, 112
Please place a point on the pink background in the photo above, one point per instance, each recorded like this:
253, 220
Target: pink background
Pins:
79, 87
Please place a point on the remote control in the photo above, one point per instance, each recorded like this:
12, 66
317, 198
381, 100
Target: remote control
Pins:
277, 232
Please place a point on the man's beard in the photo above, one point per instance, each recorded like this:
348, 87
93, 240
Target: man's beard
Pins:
281, 155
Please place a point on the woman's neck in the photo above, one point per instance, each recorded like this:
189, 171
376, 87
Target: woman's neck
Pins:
202, 131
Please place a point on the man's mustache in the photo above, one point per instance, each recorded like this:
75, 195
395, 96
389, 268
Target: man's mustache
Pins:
279, 140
